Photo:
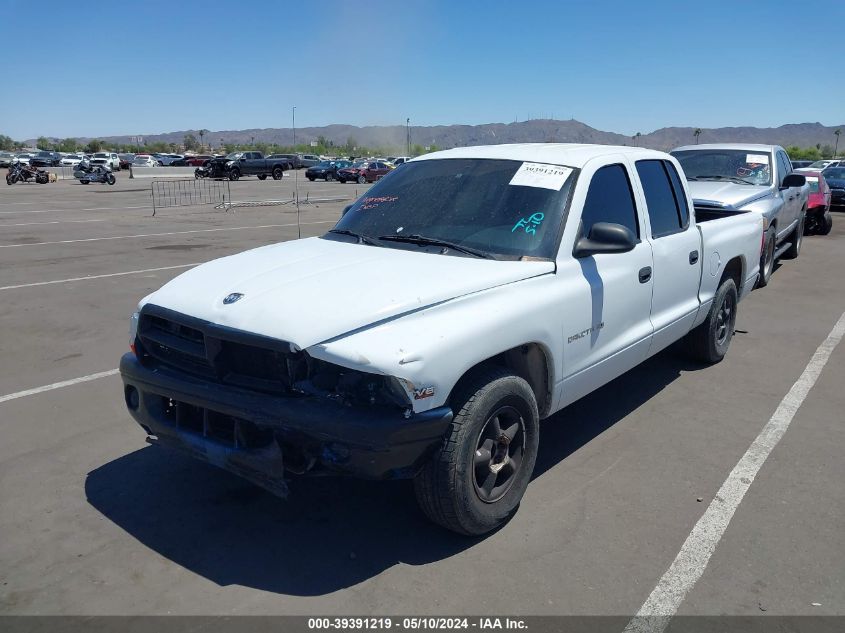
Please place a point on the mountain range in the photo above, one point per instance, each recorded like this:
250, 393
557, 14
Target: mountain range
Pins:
531, 131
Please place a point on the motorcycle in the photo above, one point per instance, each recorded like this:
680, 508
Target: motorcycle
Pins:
19, 172
211, 169
86, 174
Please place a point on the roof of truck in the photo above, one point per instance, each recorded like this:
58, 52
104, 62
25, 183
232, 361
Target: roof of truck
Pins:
743, 146
569, 154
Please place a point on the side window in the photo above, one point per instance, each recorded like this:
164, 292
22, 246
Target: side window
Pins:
785, 167
663, 213
610, 199
680, 196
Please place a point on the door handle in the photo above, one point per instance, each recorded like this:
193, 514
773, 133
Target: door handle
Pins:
693, 257
645, 274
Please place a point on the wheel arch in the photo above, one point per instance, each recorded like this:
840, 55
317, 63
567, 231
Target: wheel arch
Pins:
530, 361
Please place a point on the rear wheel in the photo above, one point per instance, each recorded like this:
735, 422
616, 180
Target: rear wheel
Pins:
475, 481
329, 176
767, 259
362, 180
278, 172
825, 223
111, 179
262, 177
709, 342
797, 237
311, 178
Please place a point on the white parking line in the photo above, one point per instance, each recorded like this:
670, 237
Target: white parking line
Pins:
692, 559
126, 237
57, 385
143, 206
129, 272
56, 222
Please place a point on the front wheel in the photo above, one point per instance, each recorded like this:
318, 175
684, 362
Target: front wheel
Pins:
362, 180
111, 179
234, 174
278, 173
262, 177
767, 259
476, 479
329, 176
709, 341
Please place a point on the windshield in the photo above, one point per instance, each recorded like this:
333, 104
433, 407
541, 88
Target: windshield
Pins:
503, 208
324, 163
836, 173
740, 166
234, 156
820, 163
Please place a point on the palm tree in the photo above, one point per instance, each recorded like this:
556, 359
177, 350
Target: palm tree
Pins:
696, 134
635, 137
835, 149
202, 133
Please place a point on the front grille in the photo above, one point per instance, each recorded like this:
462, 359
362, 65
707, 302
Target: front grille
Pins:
221, 354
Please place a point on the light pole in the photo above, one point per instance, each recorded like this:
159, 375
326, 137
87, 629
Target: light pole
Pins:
408, 130
293, 123
252, 141
836, 133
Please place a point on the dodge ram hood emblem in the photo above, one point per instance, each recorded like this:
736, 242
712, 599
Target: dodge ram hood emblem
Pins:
232, 298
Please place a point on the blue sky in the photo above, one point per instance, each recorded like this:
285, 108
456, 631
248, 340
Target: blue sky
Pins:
149, 66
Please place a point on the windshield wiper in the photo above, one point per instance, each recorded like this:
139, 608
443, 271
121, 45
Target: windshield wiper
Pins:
434, 241
362, 239
718, 177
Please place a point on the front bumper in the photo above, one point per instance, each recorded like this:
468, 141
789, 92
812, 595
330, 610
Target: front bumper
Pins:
260, 436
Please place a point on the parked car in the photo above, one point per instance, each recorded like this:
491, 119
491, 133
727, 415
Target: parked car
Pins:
828, 162
100, 162
369, 171
72, 160
199, 160
819, 220
238, 164
835, 178
252, 365
46, 159
144, 160
125, 160
110, 158
399, 160
307, 160
6, 159
23, 157
800, 164
167, 160
326, 170
757, 178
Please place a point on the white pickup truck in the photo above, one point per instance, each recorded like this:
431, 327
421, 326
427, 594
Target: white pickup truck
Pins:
463, 298
756, 178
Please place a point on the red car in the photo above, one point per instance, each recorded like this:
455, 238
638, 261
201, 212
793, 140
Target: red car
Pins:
818, 220
198, 161
368, 171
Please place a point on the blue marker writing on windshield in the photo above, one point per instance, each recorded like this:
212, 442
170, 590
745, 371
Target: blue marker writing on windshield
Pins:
530, 225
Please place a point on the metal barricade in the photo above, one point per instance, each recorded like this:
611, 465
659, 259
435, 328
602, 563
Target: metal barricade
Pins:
189, 193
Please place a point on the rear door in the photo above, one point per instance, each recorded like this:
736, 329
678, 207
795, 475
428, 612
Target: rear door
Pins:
792, 202
676, 247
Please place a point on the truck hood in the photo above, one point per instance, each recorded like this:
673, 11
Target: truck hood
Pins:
727, 194
312, 290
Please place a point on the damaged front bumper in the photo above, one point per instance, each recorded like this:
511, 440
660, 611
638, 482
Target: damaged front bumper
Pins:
261, 436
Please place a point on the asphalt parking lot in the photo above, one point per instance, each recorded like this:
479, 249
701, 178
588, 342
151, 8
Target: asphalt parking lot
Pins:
93, 521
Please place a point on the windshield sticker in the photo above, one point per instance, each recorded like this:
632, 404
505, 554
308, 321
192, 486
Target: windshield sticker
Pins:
372, 203
530, 225
540, 175
757, 159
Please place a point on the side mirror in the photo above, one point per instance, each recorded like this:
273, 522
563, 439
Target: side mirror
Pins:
793, 180
345, 209
605, 237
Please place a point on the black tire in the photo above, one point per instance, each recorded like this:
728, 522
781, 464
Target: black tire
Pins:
490, 402
767, 259
311, 178
362, 180
262, 177
234, 174
797, 238
278, 173
825, 223
709, 341
111, 179
11, 179
85, 182
329, 176
341, 181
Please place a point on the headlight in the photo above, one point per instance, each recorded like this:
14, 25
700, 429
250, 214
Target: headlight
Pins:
133, 330
348, 386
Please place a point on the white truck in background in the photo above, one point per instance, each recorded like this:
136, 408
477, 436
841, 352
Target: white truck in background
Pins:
462, 299
756, 178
